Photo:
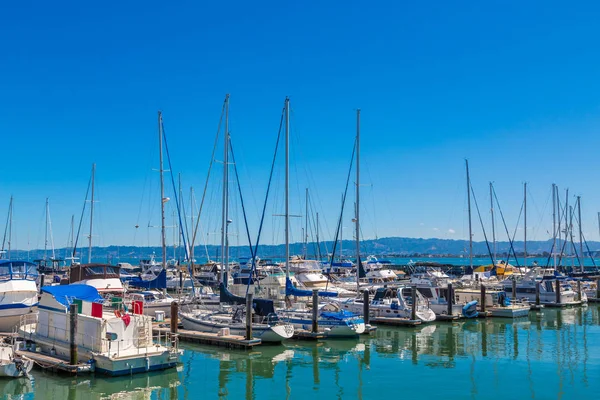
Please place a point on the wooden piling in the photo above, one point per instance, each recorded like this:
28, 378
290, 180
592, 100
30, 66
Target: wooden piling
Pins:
174, 322
42, 279
482, 297
73, 333
537, 294
413, 294
557, 292
181, 280
366, 306
315, 311
578, 290
249, 316
514, 289
598, 289
449, 299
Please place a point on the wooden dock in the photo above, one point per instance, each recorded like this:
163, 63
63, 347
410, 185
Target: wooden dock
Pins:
593, 300
446, 317
563, 305
301, 334
54, 363
394, 321
229, 341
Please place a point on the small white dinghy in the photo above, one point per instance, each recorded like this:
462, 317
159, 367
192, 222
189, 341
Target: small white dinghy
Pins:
13, 365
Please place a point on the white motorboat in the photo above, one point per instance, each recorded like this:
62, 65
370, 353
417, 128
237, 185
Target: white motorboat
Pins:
334, 321
112, 342
13, 365
18, 292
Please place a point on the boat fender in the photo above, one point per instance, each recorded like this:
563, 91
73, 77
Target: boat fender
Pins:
470, 309
118, 314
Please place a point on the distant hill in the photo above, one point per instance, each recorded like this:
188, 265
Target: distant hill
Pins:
391, 246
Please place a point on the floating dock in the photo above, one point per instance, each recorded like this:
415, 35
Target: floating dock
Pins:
593, 300
394, 321
229, 341
301, 334
446, 317
54, 363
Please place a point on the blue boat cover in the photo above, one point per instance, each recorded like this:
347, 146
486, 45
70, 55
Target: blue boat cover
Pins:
291, 290
338, 315
160, 282
262, 307
65, 294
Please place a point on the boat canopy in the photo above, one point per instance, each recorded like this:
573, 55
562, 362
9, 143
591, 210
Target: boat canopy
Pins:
65, 294
93, 271
291, 290
10, 269
262, 307
160, 282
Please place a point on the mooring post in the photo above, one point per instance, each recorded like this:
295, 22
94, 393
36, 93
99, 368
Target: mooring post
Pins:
181, 280
557, 292
579, 290
73, 333
514, 289
537, 294
413, 294
42, 278
249, 316
174, 316
483, 298
449, 299
315, 311
366, 306
598, 288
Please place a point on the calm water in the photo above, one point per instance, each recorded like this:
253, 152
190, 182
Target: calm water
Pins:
551, 355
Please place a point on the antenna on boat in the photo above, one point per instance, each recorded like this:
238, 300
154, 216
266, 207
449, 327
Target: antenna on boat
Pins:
91, 215
357, 212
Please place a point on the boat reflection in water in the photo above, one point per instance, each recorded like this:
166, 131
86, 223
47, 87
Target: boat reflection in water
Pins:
20, 388
549, 354
163, 384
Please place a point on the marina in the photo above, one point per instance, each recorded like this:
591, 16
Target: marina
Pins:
543, 354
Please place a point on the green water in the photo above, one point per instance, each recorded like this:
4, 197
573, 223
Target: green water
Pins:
551, 355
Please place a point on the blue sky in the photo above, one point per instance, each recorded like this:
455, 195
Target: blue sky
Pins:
511, 86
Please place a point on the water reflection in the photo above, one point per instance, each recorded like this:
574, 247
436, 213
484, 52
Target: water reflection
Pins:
552, 353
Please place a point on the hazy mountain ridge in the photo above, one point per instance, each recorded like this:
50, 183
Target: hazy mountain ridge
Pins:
391, 246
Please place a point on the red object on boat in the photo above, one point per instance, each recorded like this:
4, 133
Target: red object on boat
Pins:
126, 319
97, 310
138, 307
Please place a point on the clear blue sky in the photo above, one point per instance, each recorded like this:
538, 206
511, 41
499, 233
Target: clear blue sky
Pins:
513, 86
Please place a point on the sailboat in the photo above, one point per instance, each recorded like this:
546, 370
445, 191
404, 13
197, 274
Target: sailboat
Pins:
268, 328
336, 321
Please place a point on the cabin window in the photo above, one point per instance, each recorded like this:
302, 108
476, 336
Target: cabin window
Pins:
426, 292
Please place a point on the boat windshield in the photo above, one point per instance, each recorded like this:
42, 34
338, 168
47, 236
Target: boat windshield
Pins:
18, 270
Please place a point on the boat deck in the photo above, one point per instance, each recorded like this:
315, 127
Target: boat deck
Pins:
54, 363
394, 321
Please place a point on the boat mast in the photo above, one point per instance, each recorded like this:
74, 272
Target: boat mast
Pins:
525, 224
581, 259
357, 211
287, 188
46, 234
469, 211
318, 242
225, 203
191, 252
10, 218
493, 226
306, 227
554, 223
163, 238
91, 216
567, 222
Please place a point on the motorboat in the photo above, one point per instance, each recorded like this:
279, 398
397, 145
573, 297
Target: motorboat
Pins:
18, 292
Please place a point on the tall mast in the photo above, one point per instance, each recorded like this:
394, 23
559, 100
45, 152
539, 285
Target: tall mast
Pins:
225, 203
554, 223
525, 224
567, 221
46, 234
287, 187
318, 242
357, 211
192, 208
72, 238
469, 211
180, 229
163, 237
306, 227
91, 215
10, 217
580, 234
493, 226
